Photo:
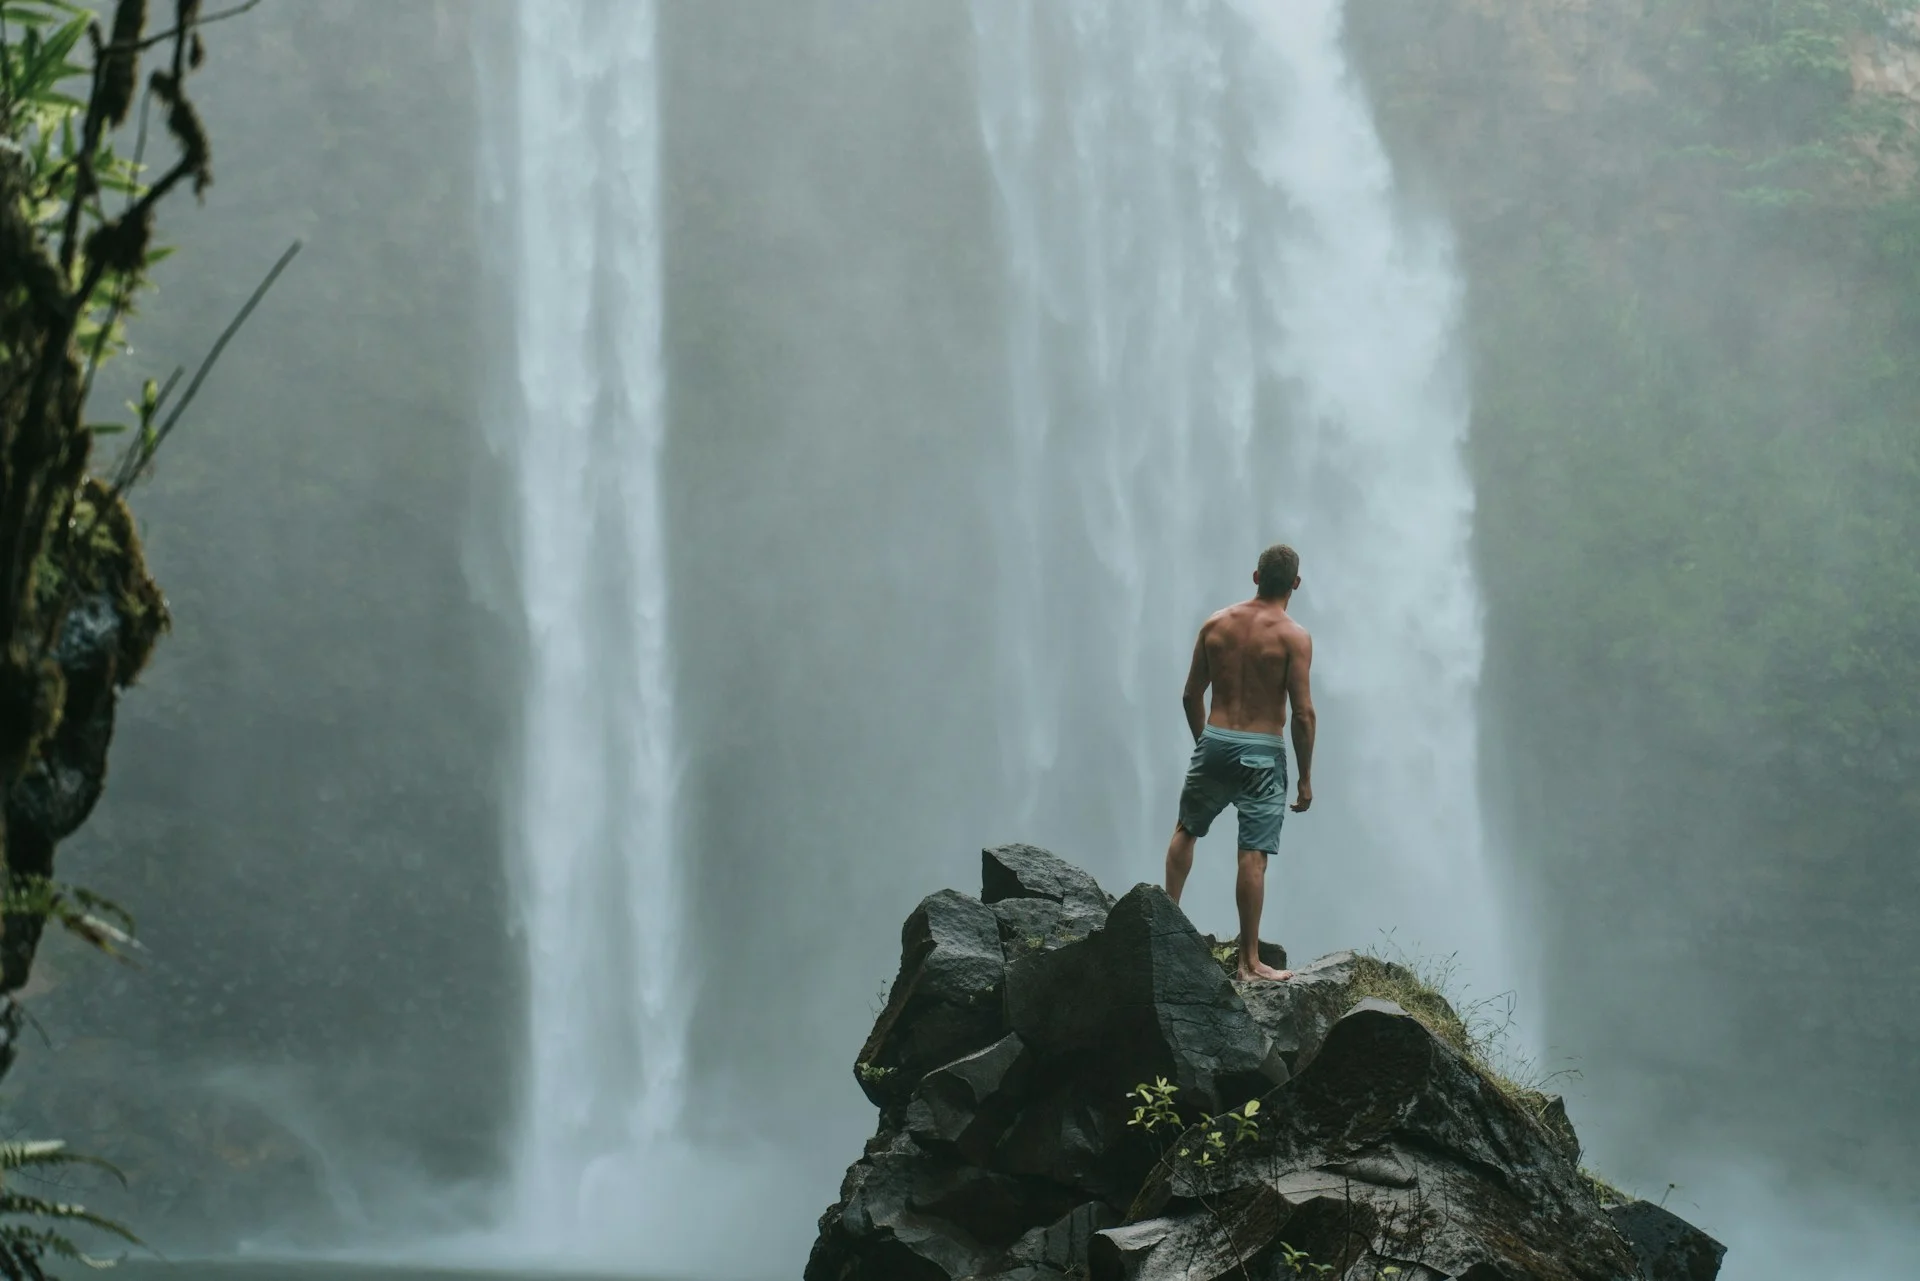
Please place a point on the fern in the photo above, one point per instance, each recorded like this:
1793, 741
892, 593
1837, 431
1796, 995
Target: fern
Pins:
26, 1235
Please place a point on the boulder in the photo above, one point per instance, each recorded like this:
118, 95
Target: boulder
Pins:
1455, 1174
878, 1233
969, 1103
1245, 1231
1062, 1246
1028, 872
1074, 1139
1299, 1013
1030, 925
945, 1002
1006, 1149
1042, 902
1668, 1247
1142, 998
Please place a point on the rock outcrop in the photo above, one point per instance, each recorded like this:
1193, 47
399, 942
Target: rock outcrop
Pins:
1306, 1124
113, 616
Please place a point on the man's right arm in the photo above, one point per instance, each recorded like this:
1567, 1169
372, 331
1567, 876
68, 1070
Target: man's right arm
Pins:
1300, 694
1193, 699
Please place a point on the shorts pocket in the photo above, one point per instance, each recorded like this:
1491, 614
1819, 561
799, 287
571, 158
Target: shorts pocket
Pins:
1262, 777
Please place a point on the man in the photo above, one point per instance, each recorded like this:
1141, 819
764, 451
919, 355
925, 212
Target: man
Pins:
1256, 659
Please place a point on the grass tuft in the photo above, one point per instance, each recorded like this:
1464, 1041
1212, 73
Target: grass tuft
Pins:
1481, 1030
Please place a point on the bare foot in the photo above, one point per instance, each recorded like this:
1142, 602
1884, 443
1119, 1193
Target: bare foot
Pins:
1261, 970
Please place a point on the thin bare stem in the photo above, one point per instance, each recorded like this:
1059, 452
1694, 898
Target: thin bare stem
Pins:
226, 336
207, 21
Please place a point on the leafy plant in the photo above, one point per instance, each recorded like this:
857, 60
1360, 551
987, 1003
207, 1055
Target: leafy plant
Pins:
96, 921
76, 244
1195, 1148
26, 1238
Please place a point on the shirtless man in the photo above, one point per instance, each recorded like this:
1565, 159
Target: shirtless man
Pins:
1256, 659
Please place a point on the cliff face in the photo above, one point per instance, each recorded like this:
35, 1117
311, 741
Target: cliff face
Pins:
1071, 1086
1691, 239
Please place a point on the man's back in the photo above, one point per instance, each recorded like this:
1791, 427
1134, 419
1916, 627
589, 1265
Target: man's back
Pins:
1250, 652
1257, 661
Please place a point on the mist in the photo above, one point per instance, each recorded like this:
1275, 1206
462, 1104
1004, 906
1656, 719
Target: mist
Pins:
991, 343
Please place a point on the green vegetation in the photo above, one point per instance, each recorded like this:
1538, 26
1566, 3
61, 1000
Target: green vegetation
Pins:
1209, 1142
24, 1240
1480, 1030
76, 246
1694, 333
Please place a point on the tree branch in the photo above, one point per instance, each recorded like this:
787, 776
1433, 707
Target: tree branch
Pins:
209, 20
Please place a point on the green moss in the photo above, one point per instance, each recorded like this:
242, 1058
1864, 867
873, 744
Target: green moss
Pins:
1480, 1035
1419, 995
1607, 1193
99, 550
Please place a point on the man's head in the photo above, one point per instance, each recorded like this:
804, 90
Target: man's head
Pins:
1279, 572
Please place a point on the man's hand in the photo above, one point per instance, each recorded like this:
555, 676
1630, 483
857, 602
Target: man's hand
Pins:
1303, 797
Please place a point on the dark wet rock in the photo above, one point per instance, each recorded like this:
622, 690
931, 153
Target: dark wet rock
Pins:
1075, 1139
1455, 1174
1668, 1247
945, 1002
1063, 1245
1030, 925
1005, 1152
1026, 871
970, 1102
877, 1233
1554, 1119
1142, 998
1042, 902
1297, 1014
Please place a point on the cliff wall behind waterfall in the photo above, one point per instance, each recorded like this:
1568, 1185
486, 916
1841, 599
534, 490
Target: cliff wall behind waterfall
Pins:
1692, 239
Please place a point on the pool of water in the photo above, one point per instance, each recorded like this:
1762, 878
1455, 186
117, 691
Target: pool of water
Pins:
258, 1270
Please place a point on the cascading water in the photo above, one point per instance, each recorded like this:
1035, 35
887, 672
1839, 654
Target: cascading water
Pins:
596, 868
1222, 334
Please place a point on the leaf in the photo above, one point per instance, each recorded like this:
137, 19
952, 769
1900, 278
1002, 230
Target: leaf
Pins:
23, 1240
38, 1208
42, 1153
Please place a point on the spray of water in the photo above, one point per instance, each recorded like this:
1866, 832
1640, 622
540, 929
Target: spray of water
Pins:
1222, 333
599, 877
1219, 332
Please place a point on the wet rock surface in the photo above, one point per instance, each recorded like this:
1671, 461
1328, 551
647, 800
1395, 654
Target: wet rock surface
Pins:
1669, 1248
1003, 1065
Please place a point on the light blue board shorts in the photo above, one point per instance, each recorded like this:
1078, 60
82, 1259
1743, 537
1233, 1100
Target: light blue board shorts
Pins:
1246, 771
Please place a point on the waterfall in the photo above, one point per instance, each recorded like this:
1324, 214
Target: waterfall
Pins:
596, 871
1223, 333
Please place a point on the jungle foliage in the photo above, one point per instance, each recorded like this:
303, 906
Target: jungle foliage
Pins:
1694, 325
77, 205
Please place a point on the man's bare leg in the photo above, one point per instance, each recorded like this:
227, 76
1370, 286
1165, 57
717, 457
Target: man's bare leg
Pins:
1179, 861
1250, 896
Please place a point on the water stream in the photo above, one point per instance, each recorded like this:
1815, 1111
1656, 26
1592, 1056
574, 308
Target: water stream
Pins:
1220, 331
1223, 332
595, 856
